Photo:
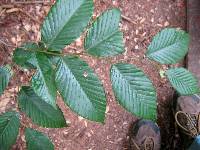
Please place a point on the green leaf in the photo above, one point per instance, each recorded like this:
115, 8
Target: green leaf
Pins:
133, 90
43, 81
104, 37
65, 22
38, 110
5, 74
9, 129
183, 81
25, 56
80, 88
37, 141
169, 46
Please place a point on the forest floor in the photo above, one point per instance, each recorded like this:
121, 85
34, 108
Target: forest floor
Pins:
21, 22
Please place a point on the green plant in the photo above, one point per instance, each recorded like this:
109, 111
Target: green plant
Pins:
76, 82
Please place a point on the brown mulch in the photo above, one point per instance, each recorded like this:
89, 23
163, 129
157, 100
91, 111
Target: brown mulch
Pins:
22, 22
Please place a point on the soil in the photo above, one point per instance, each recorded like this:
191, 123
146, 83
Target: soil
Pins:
148, 17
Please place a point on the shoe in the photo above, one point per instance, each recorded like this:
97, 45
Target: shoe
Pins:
145, 135
187, 117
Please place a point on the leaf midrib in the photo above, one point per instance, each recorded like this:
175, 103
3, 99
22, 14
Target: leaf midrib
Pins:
45, 82
103, 40
163, 49
34, 100
78, 83
180, 81
33, 137
129, 84
46, 114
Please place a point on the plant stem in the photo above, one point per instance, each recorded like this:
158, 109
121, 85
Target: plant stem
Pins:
52, 53
40, 51
47, 52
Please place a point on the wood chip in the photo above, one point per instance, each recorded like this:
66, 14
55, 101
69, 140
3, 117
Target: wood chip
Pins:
12, 10
142, 21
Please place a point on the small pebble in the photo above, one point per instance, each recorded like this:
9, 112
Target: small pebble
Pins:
166, 23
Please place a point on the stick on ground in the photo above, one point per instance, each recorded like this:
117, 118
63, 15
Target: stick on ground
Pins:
128, 19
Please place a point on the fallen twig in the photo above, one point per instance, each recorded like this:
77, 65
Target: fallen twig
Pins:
2, 11
31, 17
12, 10
8, 45
33, 2
123, 17
7, 6
128, 19
22, 11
